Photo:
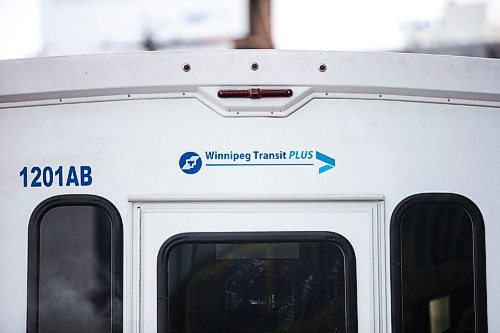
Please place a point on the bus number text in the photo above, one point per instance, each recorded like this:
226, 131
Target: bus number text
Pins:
47, 176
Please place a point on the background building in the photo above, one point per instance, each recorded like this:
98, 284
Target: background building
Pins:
467, 29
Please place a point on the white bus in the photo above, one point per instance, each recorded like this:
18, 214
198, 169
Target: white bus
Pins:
250, 191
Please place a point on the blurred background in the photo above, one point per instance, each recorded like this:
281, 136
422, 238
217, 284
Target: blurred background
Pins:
33, 28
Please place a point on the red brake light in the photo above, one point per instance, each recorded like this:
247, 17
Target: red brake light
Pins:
255, 93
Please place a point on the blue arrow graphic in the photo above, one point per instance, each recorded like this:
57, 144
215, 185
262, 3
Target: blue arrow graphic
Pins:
330, 162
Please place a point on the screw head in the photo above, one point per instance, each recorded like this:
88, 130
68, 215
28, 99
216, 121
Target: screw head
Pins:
322, 68
186, 67
254, 66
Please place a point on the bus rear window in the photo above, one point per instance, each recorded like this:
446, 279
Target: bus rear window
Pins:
256, 283
438, 265
75, 266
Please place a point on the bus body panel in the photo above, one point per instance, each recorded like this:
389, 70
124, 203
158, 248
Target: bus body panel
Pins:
129, 150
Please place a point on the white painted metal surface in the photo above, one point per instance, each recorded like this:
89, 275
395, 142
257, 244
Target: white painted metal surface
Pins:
396, 125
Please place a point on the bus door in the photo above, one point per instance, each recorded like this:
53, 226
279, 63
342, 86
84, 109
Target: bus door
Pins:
294, 265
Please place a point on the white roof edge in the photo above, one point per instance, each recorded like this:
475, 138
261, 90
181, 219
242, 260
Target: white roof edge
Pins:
162, 72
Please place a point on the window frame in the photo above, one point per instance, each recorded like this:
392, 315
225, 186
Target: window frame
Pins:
479, 255
33, 274
350, 279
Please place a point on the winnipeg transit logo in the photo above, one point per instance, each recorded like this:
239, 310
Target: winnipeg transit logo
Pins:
190, 162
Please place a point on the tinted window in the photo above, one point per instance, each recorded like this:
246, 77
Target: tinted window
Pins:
438, 265
74, 274
260, 285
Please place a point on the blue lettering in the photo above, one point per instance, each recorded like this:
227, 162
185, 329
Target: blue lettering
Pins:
85, 175
37, 172
48, 176
24, 175
72, 177
301, 155
59, 175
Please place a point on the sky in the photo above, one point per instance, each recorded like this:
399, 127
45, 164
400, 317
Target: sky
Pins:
20, 25
355, 25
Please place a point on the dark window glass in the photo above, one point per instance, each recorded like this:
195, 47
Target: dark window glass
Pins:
74, 275
249, 283
438, 265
